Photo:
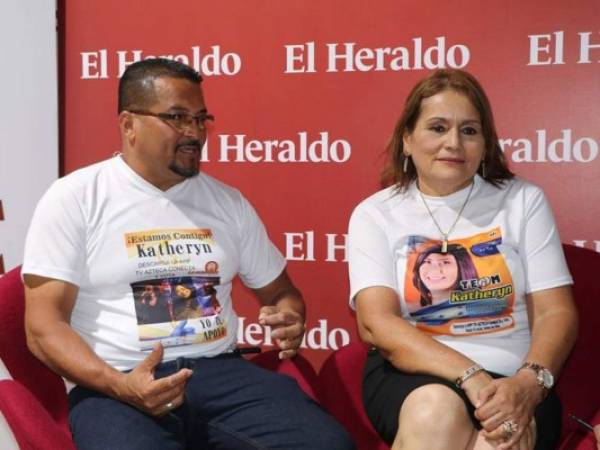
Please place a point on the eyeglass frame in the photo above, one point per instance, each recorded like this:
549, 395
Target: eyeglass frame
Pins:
169, 118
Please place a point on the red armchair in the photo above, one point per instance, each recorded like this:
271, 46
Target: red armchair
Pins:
579, 386
340, 377
581, 439
35, 403
340, 392
39, 390
32, 425
298, 368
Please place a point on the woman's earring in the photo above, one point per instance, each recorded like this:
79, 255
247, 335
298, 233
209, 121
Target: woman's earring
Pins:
483, 174
405, 164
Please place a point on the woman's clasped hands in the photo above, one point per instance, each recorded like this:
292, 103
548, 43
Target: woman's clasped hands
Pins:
505, 408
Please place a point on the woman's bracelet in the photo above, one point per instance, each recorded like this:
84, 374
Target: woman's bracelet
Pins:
475, 368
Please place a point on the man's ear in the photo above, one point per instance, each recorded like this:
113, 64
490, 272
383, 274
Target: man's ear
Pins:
127, 127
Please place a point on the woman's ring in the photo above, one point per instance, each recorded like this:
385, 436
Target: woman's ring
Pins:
510, 427
170, 406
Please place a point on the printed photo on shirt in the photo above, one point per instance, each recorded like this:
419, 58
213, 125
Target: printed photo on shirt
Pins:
178, 311
465, 290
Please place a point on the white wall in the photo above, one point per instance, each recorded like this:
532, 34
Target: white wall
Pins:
28, 116
28, 127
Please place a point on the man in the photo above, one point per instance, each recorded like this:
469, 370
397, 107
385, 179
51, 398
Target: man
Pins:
146, 220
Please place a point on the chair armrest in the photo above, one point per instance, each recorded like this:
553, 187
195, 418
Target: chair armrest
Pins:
31, 424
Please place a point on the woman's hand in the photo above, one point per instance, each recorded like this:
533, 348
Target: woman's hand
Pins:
525, 442
511, 399
474, 385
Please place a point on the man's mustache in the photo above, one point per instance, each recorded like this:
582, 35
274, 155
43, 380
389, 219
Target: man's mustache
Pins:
190, 143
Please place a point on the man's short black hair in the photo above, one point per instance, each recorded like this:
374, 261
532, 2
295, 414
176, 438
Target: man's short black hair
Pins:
136, 87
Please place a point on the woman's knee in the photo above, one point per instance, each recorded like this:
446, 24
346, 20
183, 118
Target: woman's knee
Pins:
432, 408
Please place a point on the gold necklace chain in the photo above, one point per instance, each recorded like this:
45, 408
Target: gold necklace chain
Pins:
447, 233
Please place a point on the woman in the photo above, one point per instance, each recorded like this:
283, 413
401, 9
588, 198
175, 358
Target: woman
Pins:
184, 300
474, 381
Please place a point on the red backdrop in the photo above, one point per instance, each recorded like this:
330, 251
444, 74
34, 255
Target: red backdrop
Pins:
335, 75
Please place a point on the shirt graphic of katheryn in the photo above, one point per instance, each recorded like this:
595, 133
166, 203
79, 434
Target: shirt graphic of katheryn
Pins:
176, 292
466, 290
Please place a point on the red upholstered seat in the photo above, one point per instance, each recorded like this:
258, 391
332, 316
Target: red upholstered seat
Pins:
299, 368
35, 404
580, 439
579, 384
339, 389
31, 424
340, 378
44, 386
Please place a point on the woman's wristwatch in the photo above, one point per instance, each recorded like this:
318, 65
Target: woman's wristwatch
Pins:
544, 377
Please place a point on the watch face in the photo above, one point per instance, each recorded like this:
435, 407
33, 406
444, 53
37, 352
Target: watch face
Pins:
546, 378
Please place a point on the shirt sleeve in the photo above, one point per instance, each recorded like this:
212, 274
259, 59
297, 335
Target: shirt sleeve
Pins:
370, 257
55, 243
260, 261
544, 262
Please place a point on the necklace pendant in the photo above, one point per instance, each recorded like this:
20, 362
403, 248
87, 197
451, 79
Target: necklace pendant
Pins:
437, 225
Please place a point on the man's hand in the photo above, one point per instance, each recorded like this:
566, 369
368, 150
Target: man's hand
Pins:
283, 311
288, 328
154, 396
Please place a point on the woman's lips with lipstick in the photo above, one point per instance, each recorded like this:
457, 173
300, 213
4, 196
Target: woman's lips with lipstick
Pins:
451, 160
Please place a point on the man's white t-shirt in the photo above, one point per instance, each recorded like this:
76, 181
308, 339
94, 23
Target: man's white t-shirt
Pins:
151, 265
505, 245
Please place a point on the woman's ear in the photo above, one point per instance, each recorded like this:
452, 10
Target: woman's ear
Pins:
406, 138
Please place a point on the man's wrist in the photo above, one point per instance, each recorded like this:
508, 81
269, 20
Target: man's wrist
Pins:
115, 384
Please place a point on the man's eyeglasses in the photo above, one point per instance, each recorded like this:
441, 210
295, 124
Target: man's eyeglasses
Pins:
180, 121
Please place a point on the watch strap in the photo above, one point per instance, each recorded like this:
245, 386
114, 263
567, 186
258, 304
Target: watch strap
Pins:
539, 370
